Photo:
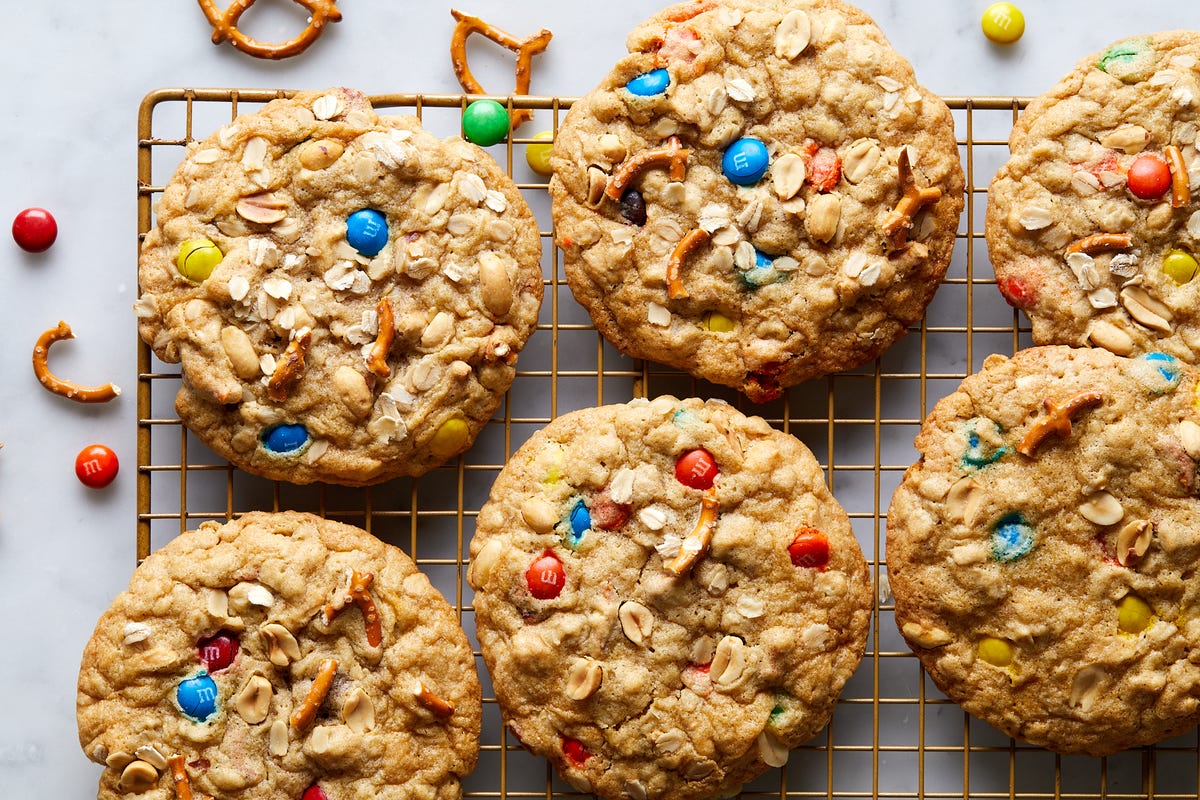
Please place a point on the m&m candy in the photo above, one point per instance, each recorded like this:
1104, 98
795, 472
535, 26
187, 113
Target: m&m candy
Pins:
197, 259
1003, 23
546, 576
580, 522
996, 652
485, 122
649, 83
96, 466
1012, 538
367, 231
450, 438
575, 751
1148, 177
1180, 266
717, 322
696, 469
314, 792
197, 696
537, 154
1134, 614
285, 438
217, 652
809, 548
34, 230
745, 161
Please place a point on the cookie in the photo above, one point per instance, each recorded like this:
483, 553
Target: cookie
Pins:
759, 193
1042, 552
668, 598
272, 654
346, 293
1093, 225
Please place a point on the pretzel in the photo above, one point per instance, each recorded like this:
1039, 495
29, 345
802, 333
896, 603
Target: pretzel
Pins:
439, 707
183, 787
225, 27
696, 543
377, 357
357, 593
912, 200
671, 155
69, 390
1101, 243
525, 49
1057, 421
1181, 192
316, 695
694, 238
290, 368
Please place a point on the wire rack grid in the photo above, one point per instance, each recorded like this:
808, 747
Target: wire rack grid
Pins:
894, 735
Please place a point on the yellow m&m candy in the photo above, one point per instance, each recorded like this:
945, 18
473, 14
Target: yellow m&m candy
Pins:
996, 652
1003, 23
537, 155
717, 322
197, 259
1134, 614
1180, 266
450, 437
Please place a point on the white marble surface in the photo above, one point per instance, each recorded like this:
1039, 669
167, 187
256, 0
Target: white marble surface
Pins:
73, 74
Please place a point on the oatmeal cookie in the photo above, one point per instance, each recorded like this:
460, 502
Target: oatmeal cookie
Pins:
347, 294
668, 597
759, 193
1042, 552
1093, 225
276, 653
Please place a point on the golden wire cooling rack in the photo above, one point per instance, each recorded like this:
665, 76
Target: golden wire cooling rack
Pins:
894, 735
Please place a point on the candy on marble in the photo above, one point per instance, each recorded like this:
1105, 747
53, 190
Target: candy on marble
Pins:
450, 438
1003, 23
981, 453
1148, 177
197, 696
96, 466
745, 161
717, 322
217, 652
633, 207
809, 548
34, 230
696, 469
285, 438
537, 154
1012, 538
1180, 266
367, 231
485, 122
546, 576
197, 259
1134, 614
575, 751
996, 652
649, 83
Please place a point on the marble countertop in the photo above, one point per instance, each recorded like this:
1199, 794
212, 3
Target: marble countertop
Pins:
74, 74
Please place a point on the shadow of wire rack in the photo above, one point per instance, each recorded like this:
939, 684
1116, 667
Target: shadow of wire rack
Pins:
894, 735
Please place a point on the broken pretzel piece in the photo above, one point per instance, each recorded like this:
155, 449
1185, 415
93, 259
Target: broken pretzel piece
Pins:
696, 543
377, 358
1181, 193
225, 27
359, 594
672, 155
1101, 243
183, 786
290, 368
304, 715
439, 707
525, 49
1057, 420
695, 238
900, 219
69, 390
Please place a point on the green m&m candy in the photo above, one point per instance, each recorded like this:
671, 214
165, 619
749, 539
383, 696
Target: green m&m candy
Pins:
197, 259
485, 122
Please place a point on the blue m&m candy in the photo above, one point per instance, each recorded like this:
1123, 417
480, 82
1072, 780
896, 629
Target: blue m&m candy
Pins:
745, 161
649, 83
197, 696
1164, 374
367, 231
580, 522
285, 438
762, 273
1012, 538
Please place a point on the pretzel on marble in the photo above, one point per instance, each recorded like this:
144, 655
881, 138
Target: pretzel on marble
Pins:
69, 390
225, 22
290, 368
525, 49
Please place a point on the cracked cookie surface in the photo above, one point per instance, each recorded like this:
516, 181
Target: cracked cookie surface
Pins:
668, 597
1043, 551
1093, 225
347, 293
730, 200
217, 645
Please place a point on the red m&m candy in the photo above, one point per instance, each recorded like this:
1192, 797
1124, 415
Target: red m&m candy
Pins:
697, 469
217, 652
96, 466
575, 751
809, 549
546, 576
1148, 177
314, 792
34, 230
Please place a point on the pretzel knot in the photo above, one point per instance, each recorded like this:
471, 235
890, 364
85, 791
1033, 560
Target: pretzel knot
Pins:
1057, 420
525, 49
225, 22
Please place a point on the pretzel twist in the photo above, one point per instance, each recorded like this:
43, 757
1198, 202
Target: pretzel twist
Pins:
696, 543
1057, 421
672, 156
304, 715
912, 200
1181, 192
69, 390
525, 49
1101, 243
377, 357
290, 368
225, 22
694, 239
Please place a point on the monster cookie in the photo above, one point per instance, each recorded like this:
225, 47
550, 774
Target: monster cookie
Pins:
279, 656
760, 193
347, 293
1093, 225
667, 597
1043, 549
